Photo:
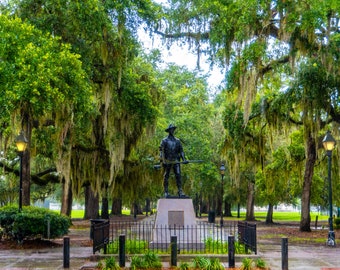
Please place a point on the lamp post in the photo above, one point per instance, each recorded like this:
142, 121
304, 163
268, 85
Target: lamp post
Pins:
21, 143
329, 144
222, 171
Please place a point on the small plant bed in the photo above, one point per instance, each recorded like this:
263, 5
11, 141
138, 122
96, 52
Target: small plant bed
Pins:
152, 261
215, 264
140, 246
250, 264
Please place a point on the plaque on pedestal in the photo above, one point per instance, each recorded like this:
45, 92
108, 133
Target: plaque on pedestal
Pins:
176, 217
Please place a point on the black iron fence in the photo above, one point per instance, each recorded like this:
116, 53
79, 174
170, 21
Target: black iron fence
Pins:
247, 235
142, 236
100, 234
201, 238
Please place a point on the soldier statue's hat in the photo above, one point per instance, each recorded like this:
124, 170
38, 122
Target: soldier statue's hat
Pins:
171, 126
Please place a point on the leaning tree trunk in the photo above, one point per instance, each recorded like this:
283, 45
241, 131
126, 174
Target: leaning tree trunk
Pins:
307, 186
250, 202
91, 204
66, 203
269, 218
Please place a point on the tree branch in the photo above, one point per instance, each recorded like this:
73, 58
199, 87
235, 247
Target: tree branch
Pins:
272, 64
196, 36
40, 178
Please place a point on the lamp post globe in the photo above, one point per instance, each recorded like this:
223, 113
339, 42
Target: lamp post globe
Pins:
21, 143
329, 144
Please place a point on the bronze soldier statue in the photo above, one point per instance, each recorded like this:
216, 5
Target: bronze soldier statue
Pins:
171, 153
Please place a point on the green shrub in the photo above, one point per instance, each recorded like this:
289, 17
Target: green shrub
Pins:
7, 217
111, 264
247, 264
137, 263
337, 223
131, 246
150, 260
32, 222
201, 263
260, 263
215, 246
206, 263
184, 266
215, 264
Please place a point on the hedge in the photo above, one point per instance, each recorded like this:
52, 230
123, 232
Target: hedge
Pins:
337, 223
31, 222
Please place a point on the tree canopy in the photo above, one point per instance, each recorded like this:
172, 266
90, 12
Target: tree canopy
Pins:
267, 46
94, 105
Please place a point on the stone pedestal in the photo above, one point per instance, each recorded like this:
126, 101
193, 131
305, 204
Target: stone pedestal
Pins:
176, 217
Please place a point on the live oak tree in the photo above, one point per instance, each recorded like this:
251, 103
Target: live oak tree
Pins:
40, 78
267, 38
124, 90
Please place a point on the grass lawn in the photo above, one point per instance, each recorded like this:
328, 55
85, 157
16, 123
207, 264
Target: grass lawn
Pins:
260, 216
283, 216
79, 214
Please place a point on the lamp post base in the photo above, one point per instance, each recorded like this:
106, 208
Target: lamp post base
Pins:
331, 239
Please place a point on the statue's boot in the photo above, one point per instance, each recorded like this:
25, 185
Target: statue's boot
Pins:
166, 191
180, 192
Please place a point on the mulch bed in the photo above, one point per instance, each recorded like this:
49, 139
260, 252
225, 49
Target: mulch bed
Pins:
28, 244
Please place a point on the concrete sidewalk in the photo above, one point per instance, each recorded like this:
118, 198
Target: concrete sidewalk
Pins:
301, 257
43, 259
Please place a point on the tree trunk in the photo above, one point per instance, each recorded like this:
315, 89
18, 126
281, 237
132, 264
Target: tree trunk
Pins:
66, 203
116, 206
147, 207
269, 218
105, 208
227, 209
26, 160
250, 201
307, 185
91, 204
204, 207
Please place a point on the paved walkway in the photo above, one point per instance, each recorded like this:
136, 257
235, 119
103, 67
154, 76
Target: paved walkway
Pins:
301, 257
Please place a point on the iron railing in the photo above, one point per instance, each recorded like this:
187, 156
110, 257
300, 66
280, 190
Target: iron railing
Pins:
247, 235
201, 238
100, 234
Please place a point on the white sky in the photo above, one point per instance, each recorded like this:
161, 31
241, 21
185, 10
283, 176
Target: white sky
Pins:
183, 57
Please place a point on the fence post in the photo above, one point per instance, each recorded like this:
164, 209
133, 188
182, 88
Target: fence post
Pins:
284, 253
316, 222
48, 228
245, 235
66, 249
231, 251
254, 239
174, 250
122, 250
